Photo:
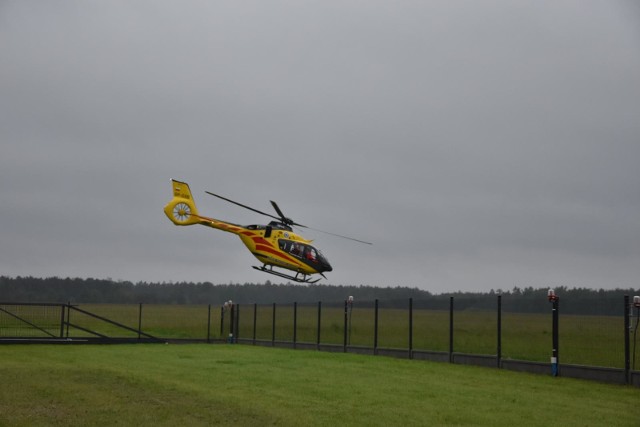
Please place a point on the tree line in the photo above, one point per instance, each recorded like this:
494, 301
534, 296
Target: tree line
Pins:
90, 290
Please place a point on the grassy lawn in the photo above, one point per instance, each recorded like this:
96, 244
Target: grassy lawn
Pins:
199, 384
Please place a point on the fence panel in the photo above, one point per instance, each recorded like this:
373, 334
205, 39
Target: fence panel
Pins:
245, 321
307, 323
264, 320
596, 339
431, 325
360, 323
30, 320
284, 322
591, 340
178, 321
125, 314
332, 323
475, 332
526, 335
393, 324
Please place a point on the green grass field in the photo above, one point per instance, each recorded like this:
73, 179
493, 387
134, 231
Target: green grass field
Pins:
200, 384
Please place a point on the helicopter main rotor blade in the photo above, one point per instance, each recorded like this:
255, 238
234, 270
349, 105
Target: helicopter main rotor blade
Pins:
291, 222
241, 205
286, 220
337, 235
275, 206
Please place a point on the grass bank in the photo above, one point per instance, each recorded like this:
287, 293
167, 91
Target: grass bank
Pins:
242, 385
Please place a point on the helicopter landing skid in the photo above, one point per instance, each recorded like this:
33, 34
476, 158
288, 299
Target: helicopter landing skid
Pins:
297, 278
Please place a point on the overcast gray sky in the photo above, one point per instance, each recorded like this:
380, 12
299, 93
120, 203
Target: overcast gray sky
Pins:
479, 144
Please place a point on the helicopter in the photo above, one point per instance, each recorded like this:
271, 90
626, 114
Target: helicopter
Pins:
275, 245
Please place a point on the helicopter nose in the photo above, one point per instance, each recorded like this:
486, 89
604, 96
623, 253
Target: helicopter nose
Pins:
327, 267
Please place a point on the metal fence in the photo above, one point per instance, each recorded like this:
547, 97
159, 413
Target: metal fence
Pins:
600, 347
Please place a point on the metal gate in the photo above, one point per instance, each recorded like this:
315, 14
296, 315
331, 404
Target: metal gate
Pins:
63, 323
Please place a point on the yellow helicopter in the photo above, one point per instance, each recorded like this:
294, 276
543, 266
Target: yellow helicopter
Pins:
274, 244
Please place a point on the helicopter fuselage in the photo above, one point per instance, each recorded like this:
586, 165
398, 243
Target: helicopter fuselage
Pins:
274, 244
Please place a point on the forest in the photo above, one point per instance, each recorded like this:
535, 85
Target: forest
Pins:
89, 290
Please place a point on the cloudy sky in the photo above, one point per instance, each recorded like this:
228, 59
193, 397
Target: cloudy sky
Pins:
478, 144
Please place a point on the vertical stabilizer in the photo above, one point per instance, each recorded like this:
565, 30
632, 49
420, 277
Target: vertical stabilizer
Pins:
181, 210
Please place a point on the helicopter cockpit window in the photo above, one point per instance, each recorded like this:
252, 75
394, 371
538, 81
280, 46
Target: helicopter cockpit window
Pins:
299, 250
296, 249
310, 254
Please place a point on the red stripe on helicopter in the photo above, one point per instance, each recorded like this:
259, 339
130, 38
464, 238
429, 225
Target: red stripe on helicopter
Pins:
266, 246
277, 253
225, 226
261, 241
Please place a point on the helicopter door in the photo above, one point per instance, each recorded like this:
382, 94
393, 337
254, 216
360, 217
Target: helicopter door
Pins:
294, 248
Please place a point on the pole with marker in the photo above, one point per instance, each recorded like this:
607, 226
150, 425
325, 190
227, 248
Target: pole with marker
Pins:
553, 299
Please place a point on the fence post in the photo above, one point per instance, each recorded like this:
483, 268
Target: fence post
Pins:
556, 338
222, 322
410, 328
627, 346
255, 316
232, 324
209, 323
344, 348
139, 320
375, 328
450, 329
68, 317
295, 323
555, 352
350, 304
236, 331
319, 320
61, 320
499, 349
273, 326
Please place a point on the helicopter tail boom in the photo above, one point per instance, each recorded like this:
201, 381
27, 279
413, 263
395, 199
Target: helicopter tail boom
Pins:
181, 210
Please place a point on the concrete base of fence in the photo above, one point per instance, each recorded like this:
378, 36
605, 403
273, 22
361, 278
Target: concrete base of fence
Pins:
475, 359
607, 375
333, 348
89, 340
434, 356
393, 352
635, 378
42, 340
268, 343
360, 350
306, 346
526, 366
